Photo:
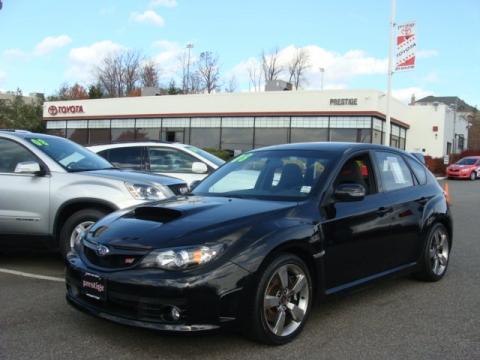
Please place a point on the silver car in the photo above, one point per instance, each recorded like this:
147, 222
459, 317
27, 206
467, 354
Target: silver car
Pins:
52, 190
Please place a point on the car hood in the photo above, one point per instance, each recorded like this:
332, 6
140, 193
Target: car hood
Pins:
135, 177
185, 221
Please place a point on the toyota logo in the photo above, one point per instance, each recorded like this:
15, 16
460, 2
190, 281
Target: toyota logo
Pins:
102, 250
52, 110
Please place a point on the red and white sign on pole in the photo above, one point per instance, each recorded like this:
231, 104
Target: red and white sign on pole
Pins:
406, 46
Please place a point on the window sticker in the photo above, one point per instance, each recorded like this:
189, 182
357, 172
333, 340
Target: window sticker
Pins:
242, 158
306, 189
39, 142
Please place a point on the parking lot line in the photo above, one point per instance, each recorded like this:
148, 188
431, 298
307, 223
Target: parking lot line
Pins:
32, 276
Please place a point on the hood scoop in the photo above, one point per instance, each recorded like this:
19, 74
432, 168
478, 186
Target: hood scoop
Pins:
158, 214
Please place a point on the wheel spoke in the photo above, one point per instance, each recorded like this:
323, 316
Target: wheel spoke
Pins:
283, 275
432, 252
436, 264
271, 301
279, 323
443, 241
442, 259
299, 285
296, 312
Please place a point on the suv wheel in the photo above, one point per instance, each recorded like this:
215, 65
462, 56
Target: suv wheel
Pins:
76, 224
282, 301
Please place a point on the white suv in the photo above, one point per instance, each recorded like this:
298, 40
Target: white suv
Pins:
185, 162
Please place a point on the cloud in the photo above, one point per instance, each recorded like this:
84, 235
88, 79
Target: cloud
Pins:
14, 54
83, 60
405, 94
164, 3
425, 54
339, 68
148, 17
168, 58
51, 43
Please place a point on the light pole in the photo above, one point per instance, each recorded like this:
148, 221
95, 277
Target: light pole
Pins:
322, 72
189, 47
390, 73
454, 108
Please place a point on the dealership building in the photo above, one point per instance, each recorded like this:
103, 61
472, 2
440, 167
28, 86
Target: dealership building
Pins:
243, 121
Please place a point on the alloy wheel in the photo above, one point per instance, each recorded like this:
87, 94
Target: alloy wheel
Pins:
286, 300
78, 230
439, 252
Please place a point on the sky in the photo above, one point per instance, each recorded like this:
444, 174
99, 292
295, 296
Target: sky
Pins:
44, 44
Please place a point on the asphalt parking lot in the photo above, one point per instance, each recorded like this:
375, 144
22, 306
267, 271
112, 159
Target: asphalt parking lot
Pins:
396, 319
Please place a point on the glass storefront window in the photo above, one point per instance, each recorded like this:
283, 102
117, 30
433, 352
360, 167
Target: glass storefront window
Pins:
270, 136
145, 134
343, 135
80, 136
364, 136
57, 132
377, 137
122, 135
180, 135
308, 135
237, 138
205, 137
99, 136
310, 122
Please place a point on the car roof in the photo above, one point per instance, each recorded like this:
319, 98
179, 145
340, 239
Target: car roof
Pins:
132, 144
330, 146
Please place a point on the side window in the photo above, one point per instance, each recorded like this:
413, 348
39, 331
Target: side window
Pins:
104, 154
11, 154
127, 158
170, 160
394, 172
358, 170
419, 171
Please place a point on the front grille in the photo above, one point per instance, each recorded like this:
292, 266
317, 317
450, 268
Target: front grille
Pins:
179, 189
113, 261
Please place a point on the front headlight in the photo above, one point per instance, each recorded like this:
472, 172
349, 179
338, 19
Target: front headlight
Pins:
148, 192
181, 258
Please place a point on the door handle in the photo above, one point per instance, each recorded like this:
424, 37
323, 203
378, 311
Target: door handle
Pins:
382, 211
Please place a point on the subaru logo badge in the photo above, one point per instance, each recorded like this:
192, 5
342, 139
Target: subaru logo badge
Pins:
102, 250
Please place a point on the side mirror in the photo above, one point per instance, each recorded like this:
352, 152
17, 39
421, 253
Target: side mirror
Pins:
199, 167
350, 192
28, 167
194, 184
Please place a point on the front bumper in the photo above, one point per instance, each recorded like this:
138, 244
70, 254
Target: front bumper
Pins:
458, 175
144, 297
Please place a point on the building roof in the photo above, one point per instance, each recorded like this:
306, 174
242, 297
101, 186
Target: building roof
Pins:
447, 100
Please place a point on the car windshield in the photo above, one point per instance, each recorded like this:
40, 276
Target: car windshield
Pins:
210, 157
72, 157
269, 174
467, 161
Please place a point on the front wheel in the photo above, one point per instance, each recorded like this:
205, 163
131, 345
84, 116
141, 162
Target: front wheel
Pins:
282, 301
75, 225
436, 254
473, 176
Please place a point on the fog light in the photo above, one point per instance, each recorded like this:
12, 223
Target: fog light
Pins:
175, 313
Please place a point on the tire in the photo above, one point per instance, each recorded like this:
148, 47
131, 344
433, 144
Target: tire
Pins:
264, 322
436, 254
84, 218
473, 176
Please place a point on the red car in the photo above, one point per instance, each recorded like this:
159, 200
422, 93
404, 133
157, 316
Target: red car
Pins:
466, 168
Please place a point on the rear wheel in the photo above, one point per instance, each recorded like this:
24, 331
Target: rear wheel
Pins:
436, 254
75, 225
473, 176
282, 301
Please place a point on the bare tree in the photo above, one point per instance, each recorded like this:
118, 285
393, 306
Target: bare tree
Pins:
149, 75
195, 83
270, 65
254, 76
119, 73
209, 72
297, 67
231, 85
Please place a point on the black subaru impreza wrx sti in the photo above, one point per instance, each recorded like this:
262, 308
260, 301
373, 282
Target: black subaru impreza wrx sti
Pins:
262, 238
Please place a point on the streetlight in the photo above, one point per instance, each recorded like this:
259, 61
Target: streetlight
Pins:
322, 72
189, 47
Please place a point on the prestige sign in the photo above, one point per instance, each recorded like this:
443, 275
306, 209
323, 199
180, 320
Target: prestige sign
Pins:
71, 109
347, 101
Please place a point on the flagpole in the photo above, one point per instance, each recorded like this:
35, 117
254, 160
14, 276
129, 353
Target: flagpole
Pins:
390, 74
